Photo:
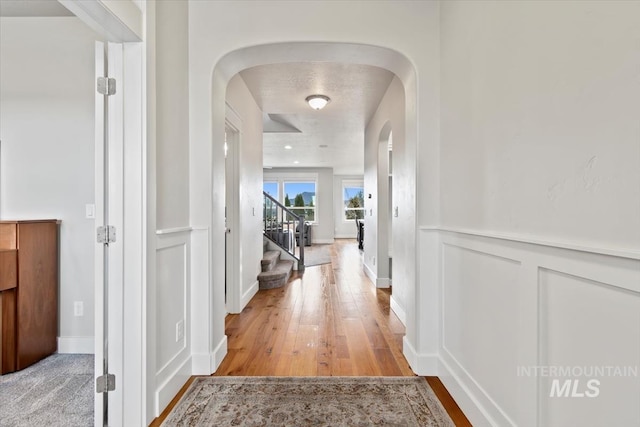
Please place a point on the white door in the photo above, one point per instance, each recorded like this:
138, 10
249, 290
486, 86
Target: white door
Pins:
109, 248
232, 238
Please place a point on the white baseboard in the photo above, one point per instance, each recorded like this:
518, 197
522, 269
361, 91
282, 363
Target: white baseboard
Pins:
344, 236
168, 390
421, 364
253, 289
398, 310
78, 345
370, 274
465, 398
219, 353
322, 241
207, 363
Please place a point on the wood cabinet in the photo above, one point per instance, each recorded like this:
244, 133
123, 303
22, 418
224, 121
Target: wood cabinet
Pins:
28, 292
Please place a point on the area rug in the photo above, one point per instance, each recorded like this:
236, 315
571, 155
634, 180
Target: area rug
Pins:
317, 255
57, 391
309, 401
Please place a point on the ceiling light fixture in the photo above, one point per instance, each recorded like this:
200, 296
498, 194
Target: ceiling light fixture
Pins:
317, 102
288, 147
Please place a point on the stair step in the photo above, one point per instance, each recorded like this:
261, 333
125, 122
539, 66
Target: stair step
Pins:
269, 260
277, 276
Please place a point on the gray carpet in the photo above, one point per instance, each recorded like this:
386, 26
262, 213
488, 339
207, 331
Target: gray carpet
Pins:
57, 391
317, 255
309, 401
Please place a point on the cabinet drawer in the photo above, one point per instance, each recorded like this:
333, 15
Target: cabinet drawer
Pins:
8, 269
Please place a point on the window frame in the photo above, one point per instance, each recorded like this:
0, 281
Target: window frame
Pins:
351, 183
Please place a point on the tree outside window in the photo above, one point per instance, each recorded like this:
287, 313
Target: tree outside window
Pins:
353, 198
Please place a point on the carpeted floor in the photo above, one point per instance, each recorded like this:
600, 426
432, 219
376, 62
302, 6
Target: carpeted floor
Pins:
317, 255
57, 391
309, 401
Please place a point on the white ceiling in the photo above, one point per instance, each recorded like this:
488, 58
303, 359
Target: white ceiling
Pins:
48, 8
332, 137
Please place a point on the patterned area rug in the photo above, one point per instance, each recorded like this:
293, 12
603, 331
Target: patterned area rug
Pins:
309, 401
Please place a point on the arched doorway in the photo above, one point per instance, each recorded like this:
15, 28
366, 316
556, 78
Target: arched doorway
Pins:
210, 299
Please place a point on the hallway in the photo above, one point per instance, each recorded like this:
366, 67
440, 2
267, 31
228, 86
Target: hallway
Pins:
331, 321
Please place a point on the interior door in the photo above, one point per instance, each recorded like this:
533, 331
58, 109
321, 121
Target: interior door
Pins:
109, 249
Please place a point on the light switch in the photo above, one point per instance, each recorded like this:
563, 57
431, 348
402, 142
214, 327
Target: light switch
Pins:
90, 211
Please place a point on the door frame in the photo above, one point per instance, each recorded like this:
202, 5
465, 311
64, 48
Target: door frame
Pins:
233, 278
127, 186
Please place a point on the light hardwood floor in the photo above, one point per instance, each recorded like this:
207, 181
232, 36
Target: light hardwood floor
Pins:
329, 321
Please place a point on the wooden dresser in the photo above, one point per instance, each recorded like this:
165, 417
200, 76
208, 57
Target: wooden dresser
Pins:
28, 292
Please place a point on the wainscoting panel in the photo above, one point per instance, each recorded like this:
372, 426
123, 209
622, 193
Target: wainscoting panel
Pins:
534, 333
172, 302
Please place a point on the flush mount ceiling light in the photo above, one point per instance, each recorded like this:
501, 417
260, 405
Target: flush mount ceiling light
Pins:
317, 102
288, 147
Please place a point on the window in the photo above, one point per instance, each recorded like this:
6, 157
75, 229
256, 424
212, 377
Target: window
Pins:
300, 197
271, 188
353, 200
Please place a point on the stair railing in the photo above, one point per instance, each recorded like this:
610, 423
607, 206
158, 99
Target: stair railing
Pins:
284, 227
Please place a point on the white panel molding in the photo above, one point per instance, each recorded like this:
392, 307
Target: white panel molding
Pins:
246, 297
398, 310
76, 345
176, 230
522, 238
615, 270
175, 371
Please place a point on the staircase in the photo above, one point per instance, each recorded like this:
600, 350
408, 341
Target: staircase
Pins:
275, 271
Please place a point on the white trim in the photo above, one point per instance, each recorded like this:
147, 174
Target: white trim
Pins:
421, 364
219, 353
465, 399
322, 241
168, 389
246, 297
398, 310
618, 252
174, 230
369, 272
345, 236
76, 345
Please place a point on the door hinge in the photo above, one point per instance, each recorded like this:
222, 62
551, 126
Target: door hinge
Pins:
106, 234
105, 383
106, 86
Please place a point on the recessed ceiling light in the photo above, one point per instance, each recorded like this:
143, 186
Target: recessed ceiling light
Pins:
288, 147
295, 162
317, 102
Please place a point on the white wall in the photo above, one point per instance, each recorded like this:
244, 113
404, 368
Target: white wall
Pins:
172, 109
47, 130
322, 229
343, 229
389, 117
222, 44
250, 185
540, 162
170, 297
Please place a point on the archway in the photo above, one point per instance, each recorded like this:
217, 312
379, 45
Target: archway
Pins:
209, 301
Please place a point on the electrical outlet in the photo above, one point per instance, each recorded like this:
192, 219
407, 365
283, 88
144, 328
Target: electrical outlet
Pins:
179, 330
78, 308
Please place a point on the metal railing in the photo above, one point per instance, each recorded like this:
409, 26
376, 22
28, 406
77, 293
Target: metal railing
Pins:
284, 228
